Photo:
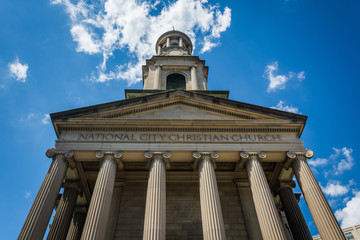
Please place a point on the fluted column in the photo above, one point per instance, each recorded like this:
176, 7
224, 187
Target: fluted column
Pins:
155, 209
211, 214
64, 212
98, 213
268, 217
194, 81
320, 210
157, 80
298, 226
76, 225
36, 222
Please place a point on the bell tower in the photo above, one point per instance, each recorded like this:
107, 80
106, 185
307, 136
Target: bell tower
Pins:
174, 67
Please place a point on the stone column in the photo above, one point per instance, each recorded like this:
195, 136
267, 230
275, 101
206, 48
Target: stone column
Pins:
37, 221
155, 209
76, 225
168, 42
64, 212
320, 210
194, 81
268, 217
211, 214
98, 214
298, 226
157, 80
180, 42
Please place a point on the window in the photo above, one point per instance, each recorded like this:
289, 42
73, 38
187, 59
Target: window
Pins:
175, 81
174, 43
349, 236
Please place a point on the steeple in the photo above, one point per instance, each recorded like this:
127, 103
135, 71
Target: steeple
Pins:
174, 67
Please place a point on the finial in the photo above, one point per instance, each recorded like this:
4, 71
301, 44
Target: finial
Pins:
173, 27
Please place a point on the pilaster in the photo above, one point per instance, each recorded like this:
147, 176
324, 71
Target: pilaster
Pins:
157, 80
194, 81
248, 209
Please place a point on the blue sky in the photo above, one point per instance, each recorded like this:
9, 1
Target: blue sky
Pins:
296, 55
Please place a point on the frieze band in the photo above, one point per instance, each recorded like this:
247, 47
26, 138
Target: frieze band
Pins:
164, 137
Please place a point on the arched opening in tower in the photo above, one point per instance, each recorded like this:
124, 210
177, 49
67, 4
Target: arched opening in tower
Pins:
175, 81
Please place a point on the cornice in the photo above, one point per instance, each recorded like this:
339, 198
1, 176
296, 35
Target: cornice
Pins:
176, 129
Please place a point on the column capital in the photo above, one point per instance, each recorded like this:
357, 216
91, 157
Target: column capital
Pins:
245, 156
287, 184
198, 155
292, 155
115, 155
50, 153
66, 154
72, 184
164, 156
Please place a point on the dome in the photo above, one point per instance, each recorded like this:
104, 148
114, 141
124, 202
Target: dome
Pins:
173, 43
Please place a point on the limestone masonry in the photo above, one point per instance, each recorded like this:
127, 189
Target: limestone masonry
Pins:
175, 160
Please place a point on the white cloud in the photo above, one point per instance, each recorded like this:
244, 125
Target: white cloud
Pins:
281, 106
18, 70
46, 119
43, 118
27, 194
301, 75
107, 26
317, 162
335, 189
350, 215
342, 160
277, 81
85, 40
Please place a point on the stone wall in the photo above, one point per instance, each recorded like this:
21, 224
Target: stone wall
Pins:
131, 214
232, 213
183, 214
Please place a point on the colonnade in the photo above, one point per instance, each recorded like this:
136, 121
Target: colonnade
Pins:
72, 223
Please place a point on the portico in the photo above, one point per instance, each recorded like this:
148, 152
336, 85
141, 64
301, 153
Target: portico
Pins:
177, 164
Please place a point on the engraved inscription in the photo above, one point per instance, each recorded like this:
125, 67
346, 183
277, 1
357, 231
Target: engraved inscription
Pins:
177, 137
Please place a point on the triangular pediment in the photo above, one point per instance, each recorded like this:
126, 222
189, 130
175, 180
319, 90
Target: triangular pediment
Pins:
179, 112
176, 105
177, 109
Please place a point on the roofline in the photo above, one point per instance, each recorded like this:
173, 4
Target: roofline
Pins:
115, 104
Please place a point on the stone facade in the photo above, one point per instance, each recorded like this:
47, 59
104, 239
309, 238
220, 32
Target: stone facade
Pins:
181, 163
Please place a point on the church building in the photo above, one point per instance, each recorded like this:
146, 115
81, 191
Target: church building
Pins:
177, 161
